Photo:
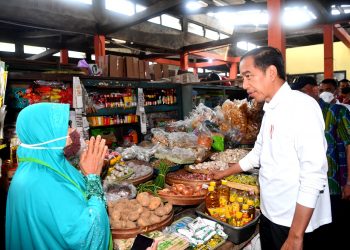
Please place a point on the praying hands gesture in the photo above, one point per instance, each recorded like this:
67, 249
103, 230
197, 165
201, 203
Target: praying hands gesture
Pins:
91, 160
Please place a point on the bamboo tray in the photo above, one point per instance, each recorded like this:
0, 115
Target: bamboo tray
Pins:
244, 187
131, 233
183, 200
173, 180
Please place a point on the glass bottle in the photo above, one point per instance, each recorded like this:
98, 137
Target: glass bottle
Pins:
239, 219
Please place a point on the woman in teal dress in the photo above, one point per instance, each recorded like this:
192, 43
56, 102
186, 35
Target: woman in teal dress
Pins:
50, 204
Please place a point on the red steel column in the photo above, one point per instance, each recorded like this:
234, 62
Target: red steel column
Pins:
195, 71
328, 50
99, 46
64, 56
276, 37
233, 70
184, 61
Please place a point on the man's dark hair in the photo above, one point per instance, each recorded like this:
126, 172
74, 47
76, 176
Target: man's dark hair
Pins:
330, 81
344, 80
267, 56
345, 90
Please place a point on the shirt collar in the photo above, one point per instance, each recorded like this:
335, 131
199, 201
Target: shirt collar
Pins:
283, 91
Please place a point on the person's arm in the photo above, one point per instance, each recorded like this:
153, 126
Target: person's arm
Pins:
343, 130
302, 216
234, 168
346, 189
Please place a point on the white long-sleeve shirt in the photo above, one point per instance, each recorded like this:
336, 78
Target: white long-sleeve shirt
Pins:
291, 153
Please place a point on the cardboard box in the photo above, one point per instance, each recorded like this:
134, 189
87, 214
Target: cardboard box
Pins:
116, 66
142, 69
165, 69
185, 78
132, 67
147, 70
157, 71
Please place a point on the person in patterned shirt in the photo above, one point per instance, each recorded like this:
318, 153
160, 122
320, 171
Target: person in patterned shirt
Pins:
337, 132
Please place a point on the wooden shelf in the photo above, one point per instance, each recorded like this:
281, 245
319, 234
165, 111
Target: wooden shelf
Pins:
112, 125
122, 111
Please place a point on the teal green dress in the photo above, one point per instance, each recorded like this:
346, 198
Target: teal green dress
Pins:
50, 204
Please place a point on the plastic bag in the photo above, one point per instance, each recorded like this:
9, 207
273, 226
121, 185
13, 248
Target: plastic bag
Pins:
218, 142
115, 191
182, 140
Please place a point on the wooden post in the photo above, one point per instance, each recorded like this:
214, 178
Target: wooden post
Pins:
328, 50
99, 46
184, 61
276, 35
233, 70
64, 56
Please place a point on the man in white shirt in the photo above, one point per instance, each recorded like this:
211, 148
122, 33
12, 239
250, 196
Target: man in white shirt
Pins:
291, 153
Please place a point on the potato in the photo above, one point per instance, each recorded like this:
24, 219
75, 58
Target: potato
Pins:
143, 198
124, 215
133, 202
154, 219
139, 209
130, 224
115, 215
168, 207
146, 212
143, 222
133, 216
160, 211
154, 203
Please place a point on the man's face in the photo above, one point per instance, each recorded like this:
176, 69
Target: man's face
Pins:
326, 87
343, 85
255, 81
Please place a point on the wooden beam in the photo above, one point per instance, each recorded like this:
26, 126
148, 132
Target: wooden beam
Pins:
342, 35
254, 36
64, 56
156, 9
184, 61
207, 64
48, 52
226, 8
99, 45
328, 50
276, 37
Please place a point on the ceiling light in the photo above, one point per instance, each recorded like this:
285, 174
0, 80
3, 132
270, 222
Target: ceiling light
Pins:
210, 60
195, 5
118, 40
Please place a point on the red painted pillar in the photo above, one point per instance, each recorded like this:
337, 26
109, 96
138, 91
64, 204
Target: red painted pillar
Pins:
99, 46
233, 70
184, 61
64, 56
275, 34
328, 50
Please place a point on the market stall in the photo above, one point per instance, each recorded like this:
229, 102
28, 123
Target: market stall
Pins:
164, 189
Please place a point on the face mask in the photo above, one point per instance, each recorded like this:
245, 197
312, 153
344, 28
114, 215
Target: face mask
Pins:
327, 96
72, 149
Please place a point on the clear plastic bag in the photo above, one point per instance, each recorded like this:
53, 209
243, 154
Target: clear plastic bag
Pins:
116, 191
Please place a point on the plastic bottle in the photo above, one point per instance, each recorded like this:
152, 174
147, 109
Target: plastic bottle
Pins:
224, 193
233, 195
212, 202
245, 216
212, 183
239, 219
240, 201
251, 209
